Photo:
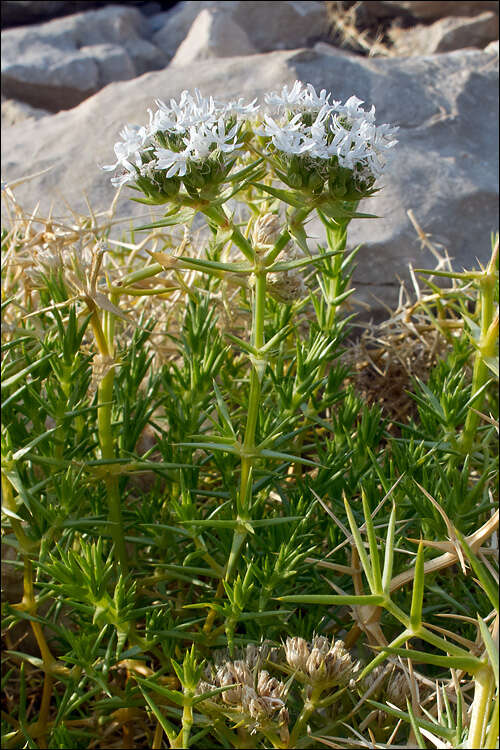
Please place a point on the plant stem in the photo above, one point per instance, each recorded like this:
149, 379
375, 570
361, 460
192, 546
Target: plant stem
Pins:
308, 709
483, 693
492, 738
187, 723
105, 395
104, 416
486, 348
248, 448
25, 544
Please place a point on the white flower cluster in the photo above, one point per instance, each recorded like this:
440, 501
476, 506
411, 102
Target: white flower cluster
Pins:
195, 125
299, 122
309, 124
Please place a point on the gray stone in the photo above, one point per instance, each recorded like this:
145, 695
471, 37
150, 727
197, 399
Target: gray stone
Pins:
323, 48
446, 35
444, 167
268, 25
492, 47
21, 12
213, 34
15, 112
24, 12
58, 64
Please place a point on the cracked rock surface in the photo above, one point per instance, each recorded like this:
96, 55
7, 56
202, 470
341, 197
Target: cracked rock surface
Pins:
444, 167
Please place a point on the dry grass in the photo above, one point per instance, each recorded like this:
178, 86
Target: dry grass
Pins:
347, 31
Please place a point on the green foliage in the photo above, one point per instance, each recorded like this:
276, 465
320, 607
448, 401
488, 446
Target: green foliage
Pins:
272, 501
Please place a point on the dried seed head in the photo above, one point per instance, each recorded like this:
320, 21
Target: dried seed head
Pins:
225, 677
377, 675
269, 687
321, 643
254, 693
328, 664
287, 286
242, 672
266, 230
283, 719
207, 687
252, 704
252, 655
297, 653
398, 690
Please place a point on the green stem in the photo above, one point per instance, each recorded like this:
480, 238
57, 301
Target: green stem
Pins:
104, 340
486, 348
483, 693
187, 723
105, 396
308, 709
422, 632
492, 738
25, 544
144, 273
248, 448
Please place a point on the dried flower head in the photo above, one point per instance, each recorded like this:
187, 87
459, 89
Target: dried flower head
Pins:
254, 693
297, 653
287, 286
320, 662
398, 689
266, 230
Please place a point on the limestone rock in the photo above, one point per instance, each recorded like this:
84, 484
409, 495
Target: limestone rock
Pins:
15, 112
22, 12
446, 35
444, 167
492, 47
268, 25
25, 12
58, 64
213, 34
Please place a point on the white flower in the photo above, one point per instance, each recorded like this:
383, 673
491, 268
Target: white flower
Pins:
287, 99
175, 161
345, 131
129, 152
199, 143
285, 137
222, 140
353, 111
240, 109
313, 101
124, 177
300, 97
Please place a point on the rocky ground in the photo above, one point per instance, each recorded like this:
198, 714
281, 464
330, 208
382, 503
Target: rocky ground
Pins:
70, 82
